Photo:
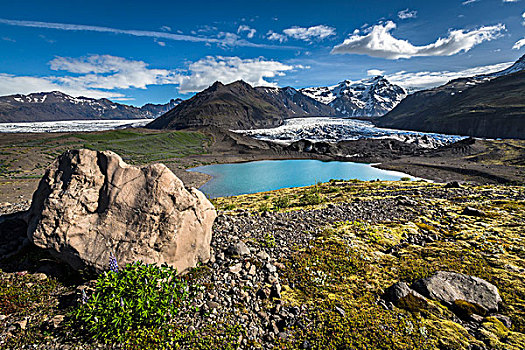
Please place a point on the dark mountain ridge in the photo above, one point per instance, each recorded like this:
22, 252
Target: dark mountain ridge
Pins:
490, 106
56, 106
240, 106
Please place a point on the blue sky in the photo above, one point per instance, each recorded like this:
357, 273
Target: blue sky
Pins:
150, 51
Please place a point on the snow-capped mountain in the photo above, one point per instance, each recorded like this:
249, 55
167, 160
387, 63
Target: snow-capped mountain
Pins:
57, 106
371, 97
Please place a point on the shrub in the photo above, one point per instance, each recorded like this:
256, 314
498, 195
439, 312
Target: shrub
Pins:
137, 297
311, 199
405, 178
281, 202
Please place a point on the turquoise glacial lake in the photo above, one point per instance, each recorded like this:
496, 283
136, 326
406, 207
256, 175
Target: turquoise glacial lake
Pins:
260, 176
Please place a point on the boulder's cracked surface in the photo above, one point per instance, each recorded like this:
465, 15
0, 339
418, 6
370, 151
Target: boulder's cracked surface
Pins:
91, 204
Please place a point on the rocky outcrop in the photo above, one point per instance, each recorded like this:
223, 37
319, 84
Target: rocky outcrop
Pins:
92, 204
460, 291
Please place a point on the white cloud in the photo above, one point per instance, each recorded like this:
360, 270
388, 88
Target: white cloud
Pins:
428, 79
206, 71
375, 72
523, 16
406, 14
271, 35
519, 44
99, 76
308, 34
468, 2
378, 42
91, 76
224, 40
250, 32
11, 84
165, 28
511, 0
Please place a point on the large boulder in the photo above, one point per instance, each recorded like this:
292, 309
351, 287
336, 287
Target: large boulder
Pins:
461, 291
92, 204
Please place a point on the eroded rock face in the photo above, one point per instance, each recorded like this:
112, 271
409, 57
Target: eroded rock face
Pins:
90, 204
453, 288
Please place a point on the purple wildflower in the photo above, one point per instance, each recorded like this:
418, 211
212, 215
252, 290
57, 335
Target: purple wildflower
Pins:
84, 297
113, 264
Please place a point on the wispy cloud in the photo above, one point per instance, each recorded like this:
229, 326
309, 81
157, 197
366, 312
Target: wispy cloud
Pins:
308, 34
406, 14
379, 42
140, 33
428, 79
271, 35
375, 72
250, 32
519, 44
469, 2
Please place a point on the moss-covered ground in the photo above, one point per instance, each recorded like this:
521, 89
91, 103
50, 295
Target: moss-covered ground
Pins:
348, 267
339, 276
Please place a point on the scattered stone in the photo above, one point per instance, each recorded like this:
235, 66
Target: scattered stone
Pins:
263, 255
22, 324
402, 296
238, 249
457, 289
212, 304
270, 267
340, 311
56, 321
473, 212
92, 204
452, 184
236, 268
276, 291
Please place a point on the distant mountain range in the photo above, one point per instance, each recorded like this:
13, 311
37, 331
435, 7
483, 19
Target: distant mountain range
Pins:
491, 106
240, 106
366, 98
53, 106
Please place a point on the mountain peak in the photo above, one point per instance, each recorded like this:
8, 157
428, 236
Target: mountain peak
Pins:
371, 97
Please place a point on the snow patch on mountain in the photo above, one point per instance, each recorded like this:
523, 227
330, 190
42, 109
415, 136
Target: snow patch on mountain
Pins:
371, 97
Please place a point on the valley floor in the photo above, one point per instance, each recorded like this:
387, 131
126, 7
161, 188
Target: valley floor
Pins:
24, 157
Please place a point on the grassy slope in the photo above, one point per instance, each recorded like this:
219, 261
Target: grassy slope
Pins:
28, 158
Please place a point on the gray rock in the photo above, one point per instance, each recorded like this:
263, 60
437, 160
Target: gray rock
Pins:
235, 269
457, 289
401, 295
238, 249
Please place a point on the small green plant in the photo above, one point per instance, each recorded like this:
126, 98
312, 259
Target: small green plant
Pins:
405, 178
268, 240
229, 206
264, 207
281, 202
138, 297
313, 198
266, 196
